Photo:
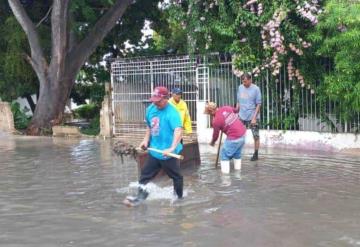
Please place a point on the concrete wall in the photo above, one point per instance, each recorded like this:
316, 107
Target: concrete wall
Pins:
66, 131
6, 118
306, 140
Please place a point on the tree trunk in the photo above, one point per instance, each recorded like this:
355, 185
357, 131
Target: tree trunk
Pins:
50, 106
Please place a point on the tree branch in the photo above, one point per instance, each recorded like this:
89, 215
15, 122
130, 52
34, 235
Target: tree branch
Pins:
59, 34
38, 61
38, 70
44, 18
84, 49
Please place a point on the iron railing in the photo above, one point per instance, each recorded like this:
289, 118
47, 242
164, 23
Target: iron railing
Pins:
286, 105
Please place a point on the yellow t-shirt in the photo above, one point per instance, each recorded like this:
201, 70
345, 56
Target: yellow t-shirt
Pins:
182, 108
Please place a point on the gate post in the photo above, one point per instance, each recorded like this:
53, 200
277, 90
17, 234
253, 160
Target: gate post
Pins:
106, 114
152, 76
267, 100
202, 83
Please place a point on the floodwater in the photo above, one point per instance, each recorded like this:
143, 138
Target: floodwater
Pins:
68, 192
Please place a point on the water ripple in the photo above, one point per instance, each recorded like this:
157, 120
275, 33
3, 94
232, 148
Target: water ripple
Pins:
68, 192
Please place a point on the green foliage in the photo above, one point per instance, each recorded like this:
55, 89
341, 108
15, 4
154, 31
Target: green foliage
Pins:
338, 38
238, 27
90, 80
88, 111
94, 127
20, 119
93, 92
16, 76
289, 122
90, 85
330, 65
128, 30
175, 41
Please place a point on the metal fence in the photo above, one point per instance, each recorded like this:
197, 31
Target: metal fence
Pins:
133, 80
286, 105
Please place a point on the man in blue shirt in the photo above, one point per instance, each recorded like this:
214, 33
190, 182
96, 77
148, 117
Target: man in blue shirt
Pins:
248, 105
164, 132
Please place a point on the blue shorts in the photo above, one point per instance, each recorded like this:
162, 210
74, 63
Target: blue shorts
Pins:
232, 149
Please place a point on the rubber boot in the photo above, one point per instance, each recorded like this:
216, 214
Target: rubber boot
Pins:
225, 166
225, 180
237, 164
237, 174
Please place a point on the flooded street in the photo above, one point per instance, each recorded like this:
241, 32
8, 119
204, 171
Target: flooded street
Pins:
68, 192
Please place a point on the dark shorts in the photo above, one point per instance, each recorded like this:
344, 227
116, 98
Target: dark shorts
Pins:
254, 128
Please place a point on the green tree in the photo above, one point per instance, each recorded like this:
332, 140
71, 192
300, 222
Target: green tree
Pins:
75, 30
90, 85
16, 75
266, 34
170, 37
338, 38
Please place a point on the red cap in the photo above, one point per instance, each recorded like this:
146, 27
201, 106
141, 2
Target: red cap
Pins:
159, 93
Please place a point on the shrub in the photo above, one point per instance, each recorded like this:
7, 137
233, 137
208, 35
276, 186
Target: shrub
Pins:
21, 120
89, 111
94, 127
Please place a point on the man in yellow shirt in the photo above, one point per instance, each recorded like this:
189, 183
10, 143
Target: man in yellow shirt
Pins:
182, 108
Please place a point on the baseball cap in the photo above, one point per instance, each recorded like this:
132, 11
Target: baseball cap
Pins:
159, 93
209, 106
176, 90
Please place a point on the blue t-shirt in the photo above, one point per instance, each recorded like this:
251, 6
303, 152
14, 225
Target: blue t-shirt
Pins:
248, 98
162, 123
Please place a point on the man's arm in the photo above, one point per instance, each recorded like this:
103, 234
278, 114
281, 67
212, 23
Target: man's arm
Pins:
237, 108
258, 105
257, 110
215, 135
176, 139
144, 144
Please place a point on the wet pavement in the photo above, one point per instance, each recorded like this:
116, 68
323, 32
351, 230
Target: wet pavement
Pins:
68, 192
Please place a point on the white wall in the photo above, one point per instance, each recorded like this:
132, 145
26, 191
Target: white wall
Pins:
24, 105
306, 140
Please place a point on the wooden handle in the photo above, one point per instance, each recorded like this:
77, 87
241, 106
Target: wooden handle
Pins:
218, 151
176, 156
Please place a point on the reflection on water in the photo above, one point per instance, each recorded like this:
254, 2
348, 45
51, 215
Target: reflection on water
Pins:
68, 192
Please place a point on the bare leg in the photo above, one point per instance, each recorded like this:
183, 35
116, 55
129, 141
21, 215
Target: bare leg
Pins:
257, 144
256, 147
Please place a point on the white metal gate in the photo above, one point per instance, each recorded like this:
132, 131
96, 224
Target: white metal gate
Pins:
133, 80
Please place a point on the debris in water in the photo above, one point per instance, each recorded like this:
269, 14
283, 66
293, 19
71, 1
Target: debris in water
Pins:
122, 149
